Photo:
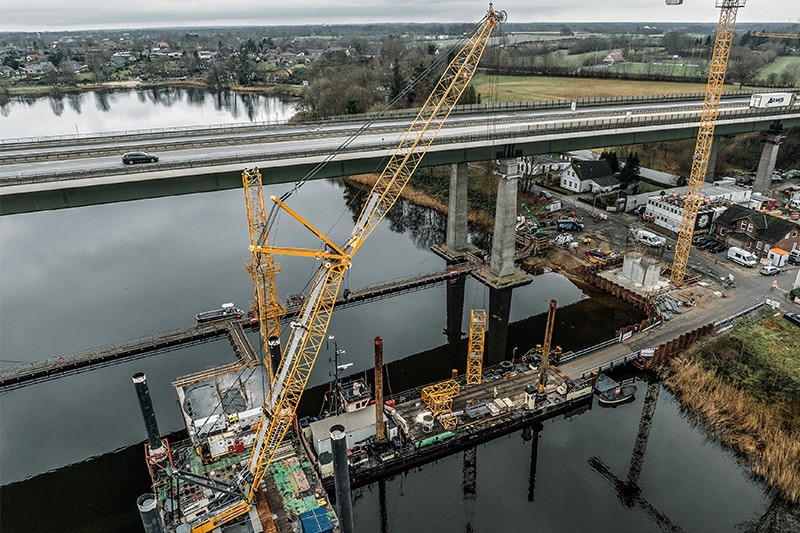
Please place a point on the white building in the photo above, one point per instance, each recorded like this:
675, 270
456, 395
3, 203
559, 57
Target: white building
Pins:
585, 176
666, 209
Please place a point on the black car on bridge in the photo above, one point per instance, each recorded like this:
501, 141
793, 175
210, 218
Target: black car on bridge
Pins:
138, 157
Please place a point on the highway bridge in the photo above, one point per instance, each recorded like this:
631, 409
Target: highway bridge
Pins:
54, 172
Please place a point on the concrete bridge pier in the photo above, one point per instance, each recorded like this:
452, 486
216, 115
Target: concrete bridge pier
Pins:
712, 160
456, 246
501, 272
766, 165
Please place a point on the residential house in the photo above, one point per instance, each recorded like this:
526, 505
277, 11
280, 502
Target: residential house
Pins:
613, 57
542, 165
585, 176
755, 231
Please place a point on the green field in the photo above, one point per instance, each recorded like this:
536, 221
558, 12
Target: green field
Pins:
530, 88
761, 357
780, 65
694, 70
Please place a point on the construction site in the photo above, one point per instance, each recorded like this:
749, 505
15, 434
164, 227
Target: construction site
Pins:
249, 463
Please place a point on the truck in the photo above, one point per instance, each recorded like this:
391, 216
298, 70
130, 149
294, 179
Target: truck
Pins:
568, 224
741, 256
648, 238
767, 100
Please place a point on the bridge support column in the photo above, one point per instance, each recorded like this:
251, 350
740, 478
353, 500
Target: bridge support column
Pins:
457, 208
456, 246
712, 160
501, 272
766, 165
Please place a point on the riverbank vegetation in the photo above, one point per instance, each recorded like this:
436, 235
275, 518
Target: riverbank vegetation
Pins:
745, 386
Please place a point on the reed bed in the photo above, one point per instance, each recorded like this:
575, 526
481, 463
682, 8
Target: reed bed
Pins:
757, 430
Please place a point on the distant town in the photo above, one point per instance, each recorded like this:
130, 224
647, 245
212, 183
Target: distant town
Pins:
378, 60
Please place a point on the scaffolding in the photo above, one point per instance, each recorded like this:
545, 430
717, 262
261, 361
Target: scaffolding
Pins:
439, 399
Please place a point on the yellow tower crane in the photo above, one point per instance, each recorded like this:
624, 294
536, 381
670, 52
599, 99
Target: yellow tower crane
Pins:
477, 334
309, 330
705, 135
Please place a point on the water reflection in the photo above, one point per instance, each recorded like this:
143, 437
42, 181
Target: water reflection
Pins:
156, 107
101, 101
74, 100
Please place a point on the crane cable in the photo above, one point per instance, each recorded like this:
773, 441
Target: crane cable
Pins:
443, 58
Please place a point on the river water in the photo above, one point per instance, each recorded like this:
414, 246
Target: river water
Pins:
73, 279
121, 110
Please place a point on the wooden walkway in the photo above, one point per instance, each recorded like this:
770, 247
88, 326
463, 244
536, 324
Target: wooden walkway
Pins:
63, 365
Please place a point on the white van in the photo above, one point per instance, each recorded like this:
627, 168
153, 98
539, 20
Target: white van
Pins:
743, 257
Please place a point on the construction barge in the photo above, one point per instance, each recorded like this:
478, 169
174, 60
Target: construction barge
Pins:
505, 400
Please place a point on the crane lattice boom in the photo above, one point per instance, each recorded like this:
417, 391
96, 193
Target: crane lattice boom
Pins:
309, 331
705, 135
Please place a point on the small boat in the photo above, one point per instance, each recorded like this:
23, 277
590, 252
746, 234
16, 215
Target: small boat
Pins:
227, 311
617, 395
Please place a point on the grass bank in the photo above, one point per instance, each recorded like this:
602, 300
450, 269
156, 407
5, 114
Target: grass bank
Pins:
745, 386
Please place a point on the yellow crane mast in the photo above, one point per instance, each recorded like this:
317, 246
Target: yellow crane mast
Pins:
262, 268
477, 333
705, 135
310, 327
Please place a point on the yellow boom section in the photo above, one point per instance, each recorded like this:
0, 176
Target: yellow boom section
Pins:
705, 135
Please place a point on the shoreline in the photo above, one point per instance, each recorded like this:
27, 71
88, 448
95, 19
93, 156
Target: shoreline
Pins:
754, 430
286, 91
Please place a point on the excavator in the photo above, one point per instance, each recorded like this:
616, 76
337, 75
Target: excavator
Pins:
307, 333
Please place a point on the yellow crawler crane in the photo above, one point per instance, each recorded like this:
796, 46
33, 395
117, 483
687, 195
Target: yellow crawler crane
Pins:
705, 135
309, 329
477, 333
439, 399
262, 268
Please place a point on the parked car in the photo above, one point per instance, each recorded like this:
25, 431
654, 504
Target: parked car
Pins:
792, 317
546, 194
716, 248
769, 270
138, 157
794, 260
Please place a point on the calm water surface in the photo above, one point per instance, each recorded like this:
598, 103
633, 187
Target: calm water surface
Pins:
136, 109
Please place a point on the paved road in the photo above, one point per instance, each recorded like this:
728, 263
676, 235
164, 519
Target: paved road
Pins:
290, 142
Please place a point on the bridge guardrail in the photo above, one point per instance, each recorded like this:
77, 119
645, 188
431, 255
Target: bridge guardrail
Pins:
531, 130
231, 127
48, 155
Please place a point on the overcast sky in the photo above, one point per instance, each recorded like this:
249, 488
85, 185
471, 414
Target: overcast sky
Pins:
43, 15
